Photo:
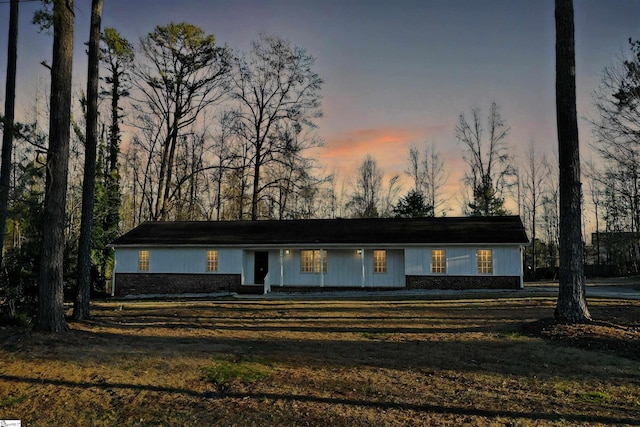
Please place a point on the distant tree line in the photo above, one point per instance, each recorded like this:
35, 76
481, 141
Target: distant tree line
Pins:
214, 133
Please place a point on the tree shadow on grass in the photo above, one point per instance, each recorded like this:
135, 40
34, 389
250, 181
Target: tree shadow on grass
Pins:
375, 404
500, 354
472, 342
355, 325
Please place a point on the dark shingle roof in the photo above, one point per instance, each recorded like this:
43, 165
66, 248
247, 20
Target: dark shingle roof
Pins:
455, 230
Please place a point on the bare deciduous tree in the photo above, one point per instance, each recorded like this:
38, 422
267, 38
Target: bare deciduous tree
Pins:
223, 156
184, 72
616, 130
429, 176
277, 92
551, 217
535, 173
489, 162
366, 197
596, 194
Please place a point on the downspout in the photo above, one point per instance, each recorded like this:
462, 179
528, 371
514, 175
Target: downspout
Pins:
522, 267
113, 274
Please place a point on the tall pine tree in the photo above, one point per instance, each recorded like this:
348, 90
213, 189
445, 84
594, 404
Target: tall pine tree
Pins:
83, 293
572, 303
50, 316
9, 108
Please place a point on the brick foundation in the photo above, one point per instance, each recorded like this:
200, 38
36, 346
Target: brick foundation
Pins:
149, 284
463, 282
302, 289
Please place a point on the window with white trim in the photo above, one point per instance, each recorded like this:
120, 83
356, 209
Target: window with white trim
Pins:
438, 261
143, 260
380, 261
311, 260
485, 261
212, 260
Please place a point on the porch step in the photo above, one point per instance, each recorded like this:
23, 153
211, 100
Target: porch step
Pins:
250, 289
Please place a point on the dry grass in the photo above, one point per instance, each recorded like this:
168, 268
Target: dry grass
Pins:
338, 363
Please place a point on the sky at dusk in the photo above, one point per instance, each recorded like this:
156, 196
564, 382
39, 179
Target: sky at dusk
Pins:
396, 73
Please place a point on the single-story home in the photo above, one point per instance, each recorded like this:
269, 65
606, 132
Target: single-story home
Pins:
320, 254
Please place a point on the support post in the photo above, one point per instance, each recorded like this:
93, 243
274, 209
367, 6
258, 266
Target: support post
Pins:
363, 270
281, 267
322, 268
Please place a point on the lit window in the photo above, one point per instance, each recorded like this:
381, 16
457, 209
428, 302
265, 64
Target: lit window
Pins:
143, 260
379, 261
310, 261
319, 256
212, 260
306, 261
438, 261
485, 261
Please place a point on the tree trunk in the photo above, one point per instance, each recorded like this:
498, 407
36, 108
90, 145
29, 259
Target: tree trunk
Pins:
83, 294
256, 183
534, 263
50, 315
572, 304
9, 108
218, 195
114, 129
169, 169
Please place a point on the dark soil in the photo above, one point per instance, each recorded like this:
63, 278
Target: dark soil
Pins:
614, 328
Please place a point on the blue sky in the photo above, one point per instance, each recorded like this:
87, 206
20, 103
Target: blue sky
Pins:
396, 72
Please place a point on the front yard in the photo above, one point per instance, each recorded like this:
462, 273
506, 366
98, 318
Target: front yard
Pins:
327, 362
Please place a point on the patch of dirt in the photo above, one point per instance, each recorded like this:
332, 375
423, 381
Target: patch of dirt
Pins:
619, 333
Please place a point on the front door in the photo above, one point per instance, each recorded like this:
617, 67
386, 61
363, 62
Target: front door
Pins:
261, 267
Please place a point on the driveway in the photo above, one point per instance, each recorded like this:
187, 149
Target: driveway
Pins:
622, 288
614, 287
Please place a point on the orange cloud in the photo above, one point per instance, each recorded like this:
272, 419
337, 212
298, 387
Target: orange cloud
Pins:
388, 146
361, 141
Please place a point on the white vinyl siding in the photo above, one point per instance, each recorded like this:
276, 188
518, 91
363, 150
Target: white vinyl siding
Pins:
179, 260
462, 261
345, 269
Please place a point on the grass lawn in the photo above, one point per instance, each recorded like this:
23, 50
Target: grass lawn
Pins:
405, 362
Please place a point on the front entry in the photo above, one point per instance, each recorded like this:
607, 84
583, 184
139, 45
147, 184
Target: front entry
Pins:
261, 267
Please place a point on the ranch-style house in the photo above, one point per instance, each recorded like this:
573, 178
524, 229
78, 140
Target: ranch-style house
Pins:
320, 254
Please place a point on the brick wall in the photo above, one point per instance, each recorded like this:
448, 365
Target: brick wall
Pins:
140, 284
301, 289
463, 282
